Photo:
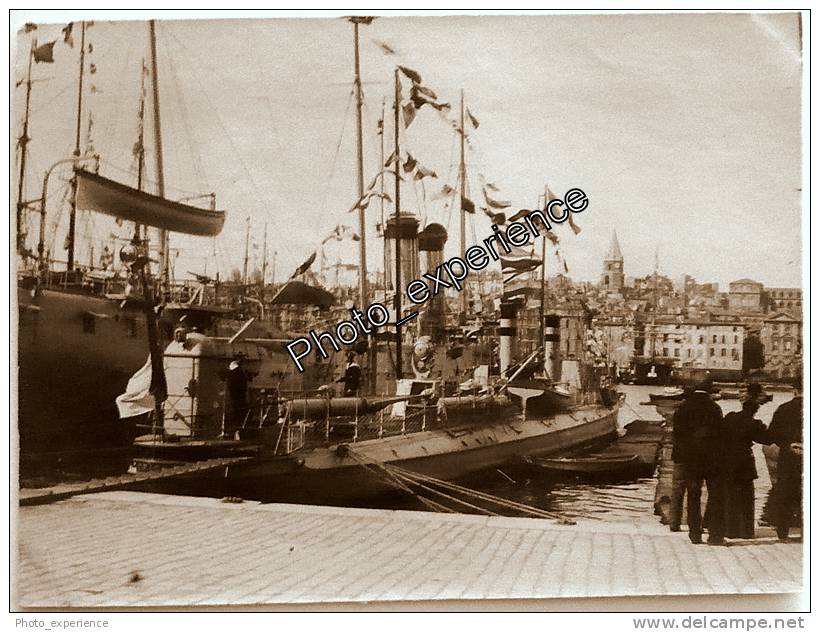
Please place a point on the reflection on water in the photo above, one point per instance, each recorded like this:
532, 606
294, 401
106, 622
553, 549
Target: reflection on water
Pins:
614, 502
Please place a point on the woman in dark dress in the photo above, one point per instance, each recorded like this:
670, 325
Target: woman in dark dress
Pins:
740, 431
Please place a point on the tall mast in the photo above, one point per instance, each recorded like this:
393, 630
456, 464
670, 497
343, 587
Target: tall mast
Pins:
357, 87
397, 288
24, 149
141, 142
264, 255
543, 278
72, 218
381, 197
462, 178
164, 255
247, 240
363, 289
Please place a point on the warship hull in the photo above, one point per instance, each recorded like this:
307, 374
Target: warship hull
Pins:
346, 474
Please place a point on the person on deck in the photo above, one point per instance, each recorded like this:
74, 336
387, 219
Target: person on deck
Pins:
237, 386
352, 377
740, 431
786, 430
697, 449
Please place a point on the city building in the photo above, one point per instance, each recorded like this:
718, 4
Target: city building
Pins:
782, 338
746, 295
785, 298
698, 343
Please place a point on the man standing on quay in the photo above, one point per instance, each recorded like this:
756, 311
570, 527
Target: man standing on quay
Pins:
696, 448
786, 430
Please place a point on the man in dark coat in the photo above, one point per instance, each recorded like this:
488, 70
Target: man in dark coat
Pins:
697, 448
352, 377
740, 431
786, 430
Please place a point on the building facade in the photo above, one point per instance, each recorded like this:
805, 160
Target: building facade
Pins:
699, 344
785, 298
782, 338
746, 295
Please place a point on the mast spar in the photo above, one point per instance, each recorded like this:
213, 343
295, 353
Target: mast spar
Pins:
245, 260
363, 289
357, 87
462, 177
24, 150
72, 218
141, 144
163, 234
264, 256
396, 164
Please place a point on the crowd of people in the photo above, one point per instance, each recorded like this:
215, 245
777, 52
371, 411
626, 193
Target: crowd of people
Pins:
716, 450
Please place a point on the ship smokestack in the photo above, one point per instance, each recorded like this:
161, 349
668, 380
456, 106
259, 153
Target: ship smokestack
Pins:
431, 250
507, 331
552, 337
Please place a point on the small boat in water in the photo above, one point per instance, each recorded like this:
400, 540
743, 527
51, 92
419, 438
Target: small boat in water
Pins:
588, 465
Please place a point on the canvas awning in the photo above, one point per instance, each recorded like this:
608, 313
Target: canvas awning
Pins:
96, 193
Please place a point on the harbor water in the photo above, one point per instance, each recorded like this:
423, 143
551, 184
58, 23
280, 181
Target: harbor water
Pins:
625, 501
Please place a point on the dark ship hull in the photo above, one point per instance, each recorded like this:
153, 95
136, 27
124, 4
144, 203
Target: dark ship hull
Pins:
336, 475
76, 353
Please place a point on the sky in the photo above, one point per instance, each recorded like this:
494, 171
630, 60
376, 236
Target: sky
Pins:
683, 130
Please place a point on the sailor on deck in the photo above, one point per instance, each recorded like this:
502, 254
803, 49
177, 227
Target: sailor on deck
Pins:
352, 377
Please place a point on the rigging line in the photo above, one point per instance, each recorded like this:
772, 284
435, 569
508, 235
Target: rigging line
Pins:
112, 121
194, 154
336, 154
242, 164
202, 63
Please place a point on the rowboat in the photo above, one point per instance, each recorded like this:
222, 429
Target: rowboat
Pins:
590, 465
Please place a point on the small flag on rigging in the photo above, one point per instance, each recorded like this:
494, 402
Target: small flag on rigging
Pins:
305, 266
45, 53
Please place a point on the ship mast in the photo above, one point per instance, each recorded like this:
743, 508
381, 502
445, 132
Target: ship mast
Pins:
24, 139
72, 218
163, 234
264, 255
357, 87
245, 261
396, 164
462, 177
141, 144
543, 310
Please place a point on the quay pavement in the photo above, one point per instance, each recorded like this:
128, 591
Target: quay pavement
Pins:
129, 549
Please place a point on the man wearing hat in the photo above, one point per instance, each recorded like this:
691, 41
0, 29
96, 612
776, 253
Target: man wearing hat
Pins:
697, 449
352, 377
786, 430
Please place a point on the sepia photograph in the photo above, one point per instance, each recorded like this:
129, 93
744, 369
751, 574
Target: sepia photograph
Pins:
409, 309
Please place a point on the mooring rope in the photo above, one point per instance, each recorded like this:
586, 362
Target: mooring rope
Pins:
410, 482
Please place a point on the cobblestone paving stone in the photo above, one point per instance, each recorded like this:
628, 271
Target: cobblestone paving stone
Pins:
131, 549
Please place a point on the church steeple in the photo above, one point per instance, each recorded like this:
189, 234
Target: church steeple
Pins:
614, 253
612, 277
